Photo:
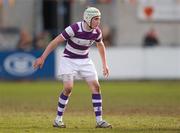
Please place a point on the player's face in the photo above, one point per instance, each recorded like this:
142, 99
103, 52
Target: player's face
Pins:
95, 22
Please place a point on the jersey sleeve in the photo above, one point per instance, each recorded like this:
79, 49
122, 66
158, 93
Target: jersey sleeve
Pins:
99, 38
69, 31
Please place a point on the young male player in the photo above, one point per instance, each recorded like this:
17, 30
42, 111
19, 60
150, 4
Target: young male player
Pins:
79, 36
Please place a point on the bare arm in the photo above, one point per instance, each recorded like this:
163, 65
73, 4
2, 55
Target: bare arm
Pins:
102, 52
51, 46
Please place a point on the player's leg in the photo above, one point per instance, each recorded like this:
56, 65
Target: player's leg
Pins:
96, 98
63, 100
97, 103
90, 75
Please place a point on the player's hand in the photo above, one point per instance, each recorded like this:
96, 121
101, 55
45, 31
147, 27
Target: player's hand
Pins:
106, 71
39, 62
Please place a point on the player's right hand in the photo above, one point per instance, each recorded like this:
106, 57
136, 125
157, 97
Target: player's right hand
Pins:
39, 62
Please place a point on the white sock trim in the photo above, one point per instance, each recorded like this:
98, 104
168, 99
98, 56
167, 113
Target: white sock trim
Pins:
98, 118
59, 118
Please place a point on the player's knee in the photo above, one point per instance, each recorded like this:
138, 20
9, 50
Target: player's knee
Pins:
67, 91
67, 88
97, 88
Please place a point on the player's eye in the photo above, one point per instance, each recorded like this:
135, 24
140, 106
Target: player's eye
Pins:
96, 18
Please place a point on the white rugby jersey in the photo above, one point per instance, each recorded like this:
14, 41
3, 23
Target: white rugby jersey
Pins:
79, 40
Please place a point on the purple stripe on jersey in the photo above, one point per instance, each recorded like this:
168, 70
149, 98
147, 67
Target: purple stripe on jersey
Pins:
76, 46
62, 96
61, 105
75, 27
74, 56
98, 113
59, 113
65, 35
98, 30
96, 96
96, 104
86, 35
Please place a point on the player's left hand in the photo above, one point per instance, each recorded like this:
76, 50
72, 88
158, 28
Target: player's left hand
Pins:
106, 71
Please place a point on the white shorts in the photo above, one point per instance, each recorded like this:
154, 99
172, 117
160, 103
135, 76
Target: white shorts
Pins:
80, 68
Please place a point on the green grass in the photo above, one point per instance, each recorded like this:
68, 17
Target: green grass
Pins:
131, 107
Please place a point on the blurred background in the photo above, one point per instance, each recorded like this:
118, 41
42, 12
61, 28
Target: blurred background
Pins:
141, 37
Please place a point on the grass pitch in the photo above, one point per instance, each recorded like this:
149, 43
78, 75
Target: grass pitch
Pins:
142, 107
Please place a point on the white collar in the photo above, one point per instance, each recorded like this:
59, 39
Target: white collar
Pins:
84, 29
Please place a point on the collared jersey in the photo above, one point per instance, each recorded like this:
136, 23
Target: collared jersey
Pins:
79, 40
